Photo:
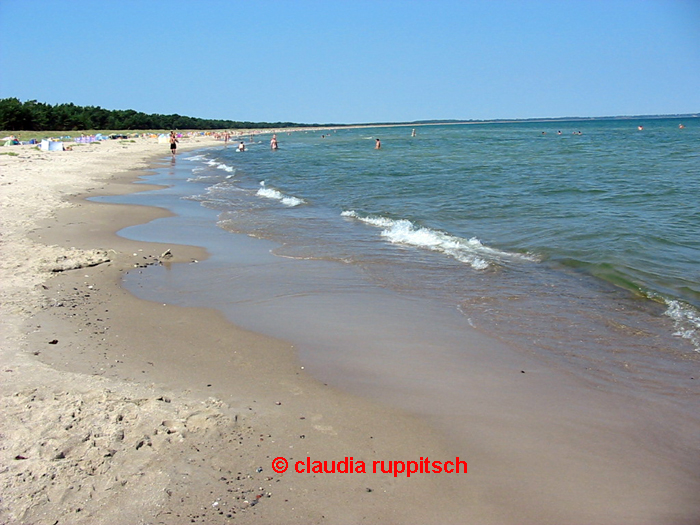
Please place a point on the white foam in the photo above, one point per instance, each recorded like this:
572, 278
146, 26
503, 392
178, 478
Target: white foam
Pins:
225, 167
686, 320
195, 158
273, 194
220, 165
468, 251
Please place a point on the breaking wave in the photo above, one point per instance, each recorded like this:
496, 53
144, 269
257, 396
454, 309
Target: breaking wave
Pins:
273, 194
686, 320
468, 251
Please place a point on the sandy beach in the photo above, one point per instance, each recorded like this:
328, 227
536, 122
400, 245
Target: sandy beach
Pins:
120, 410
116, 410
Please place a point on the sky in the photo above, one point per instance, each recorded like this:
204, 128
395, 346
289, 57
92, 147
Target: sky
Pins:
356, 61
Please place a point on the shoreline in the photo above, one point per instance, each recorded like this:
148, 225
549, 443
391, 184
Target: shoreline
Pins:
123, 411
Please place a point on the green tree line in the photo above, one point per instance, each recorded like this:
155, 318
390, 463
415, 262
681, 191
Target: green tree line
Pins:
38, 116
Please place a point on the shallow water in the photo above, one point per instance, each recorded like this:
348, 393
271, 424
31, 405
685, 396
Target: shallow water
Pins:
579, 247
438, 273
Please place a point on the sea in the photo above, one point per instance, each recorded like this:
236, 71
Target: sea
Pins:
576, 241
437, 272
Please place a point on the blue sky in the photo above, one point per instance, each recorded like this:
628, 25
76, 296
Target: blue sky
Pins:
356, 61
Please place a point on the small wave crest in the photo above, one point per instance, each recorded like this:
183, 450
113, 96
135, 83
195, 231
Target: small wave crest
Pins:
203, 176
195, 158
221, 166
686, 320
273, 194
468, 251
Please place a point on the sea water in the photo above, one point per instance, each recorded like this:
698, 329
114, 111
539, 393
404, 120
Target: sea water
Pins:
577, 241
451, 272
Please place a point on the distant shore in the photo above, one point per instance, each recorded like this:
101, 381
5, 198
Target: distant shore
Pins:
25, 135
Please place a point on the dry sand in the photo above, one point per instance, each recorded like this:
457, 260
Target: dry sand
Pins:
116, 410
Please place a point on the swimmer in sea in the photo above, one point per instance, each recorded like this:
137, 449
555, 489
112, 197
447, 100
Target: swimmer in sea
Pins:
273, 142
241, 146
378, 145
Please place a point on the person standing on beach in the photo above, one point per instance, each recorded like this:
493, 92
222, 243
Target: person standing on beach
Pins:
378, 145
173, 143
